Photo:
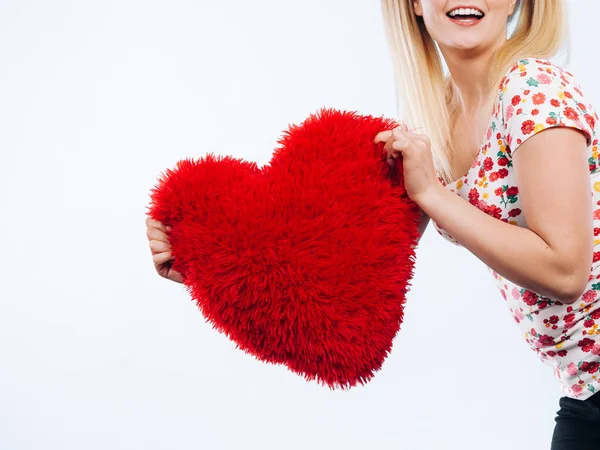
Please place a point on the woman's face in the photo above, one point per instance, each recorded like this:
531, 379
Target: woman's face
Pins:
470, 26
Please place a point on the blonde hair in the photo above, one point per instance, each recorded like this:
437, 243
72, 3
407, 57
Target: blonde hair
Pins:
426, 98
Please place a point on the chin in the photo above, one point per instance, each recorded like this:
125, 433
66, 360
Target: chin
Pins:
468, 48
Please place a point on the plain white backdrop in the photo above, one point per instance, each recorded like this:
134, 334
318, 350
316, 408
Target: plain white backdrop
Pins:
98, 352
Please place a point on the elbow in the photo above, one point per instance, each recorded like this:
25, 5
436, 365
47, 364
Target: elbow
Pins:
572, 277
572, 287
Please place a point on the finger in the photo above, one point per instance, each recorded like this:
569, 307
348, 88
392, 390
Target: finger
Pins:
401, 134
392, 156
400, 145
150, 222
155, 233
161, 258
159, 246
383, 136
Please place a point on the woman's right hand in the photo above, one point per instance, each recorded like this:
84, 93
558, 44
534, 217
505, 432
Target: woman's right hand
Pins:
161, 250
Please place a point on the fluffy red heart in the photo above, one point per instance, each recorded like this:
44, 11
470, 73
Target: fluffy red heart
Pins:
305, 261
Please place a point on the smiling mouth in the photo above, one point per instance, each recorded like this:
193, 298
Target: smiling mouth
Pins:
466, 14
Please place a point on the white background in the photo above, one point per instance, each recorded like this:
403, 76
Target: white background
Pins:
99, 352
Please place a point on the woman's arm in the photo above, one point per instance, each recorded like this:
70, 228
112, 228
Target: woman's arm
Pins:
554, 255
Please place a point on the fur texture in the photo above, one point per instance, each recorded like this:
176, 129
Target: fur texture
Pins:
306, 261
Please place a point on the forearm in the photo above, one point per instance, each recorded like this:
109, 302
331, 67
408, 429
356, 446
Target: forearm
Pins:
516, 253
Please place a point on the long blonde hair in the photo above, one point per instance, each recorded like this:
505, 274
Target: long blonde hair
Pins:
425, 96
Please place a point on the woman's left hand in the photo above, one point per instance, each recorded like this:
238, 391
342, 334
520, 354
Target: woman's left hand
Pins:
419, 174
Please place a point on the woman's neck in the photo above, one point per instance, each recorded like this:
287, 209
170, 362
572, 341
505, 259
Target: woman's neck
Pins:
470, 78
470, 75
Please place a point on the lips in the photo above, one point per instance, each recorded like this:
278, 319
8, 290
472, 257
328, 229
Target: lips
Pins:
465, 16
465, 13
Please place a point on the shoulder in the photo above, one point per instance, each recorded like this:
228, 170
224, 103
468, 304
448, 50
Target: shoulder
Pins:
536, 94
536, 74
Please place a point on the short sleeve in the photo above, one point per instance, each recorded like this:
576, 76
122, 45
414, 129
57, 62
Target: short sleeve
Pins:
537, 95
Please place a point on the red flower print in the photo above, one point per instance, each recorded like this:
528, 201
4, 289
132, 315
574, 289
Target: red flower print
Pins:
553, 319
586, 344
571, 114
569, 317
590, 120
581, 106
514, 212
499, 136
590, 366
530, 298
519, 111
588, 323
555, 103
481, 173
577, 389
596, 256
539, 98
493, 211
526, 92
596, 314
502, 161
473, 196
516, 100
562, 353
546, 340
502, 173
568, 94
528, 126
551, 353
499, 191
512, 191
488, 163
589, 296
551, 121
493, 176
535, 112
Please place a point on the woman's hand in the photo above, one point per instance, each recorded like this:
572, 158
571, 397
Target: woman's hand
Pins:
419, 174
161, 250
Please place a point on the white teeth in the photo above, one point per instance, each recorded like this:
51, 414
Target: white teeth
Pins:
465, 12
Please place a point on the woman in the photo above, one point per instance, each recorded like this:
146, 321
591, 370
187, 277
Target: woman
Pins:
502, 95
499, 96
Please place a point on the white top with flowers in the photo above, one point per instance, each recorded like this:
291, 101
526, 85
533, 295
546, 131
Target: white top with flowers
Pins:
535, 95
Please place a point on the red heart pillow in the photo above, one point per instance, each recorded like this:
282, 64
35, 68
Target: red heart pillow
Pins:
305, 261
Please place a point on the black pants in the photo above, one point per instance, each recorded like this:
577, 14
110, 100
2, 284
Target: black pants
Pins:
577, 424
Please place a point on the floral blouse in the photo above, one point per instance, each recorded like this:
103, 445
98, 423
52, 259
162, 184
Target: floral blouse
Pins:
535, 95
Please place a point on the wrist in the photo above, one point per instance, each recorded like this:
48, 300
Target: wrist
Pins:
430, 198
